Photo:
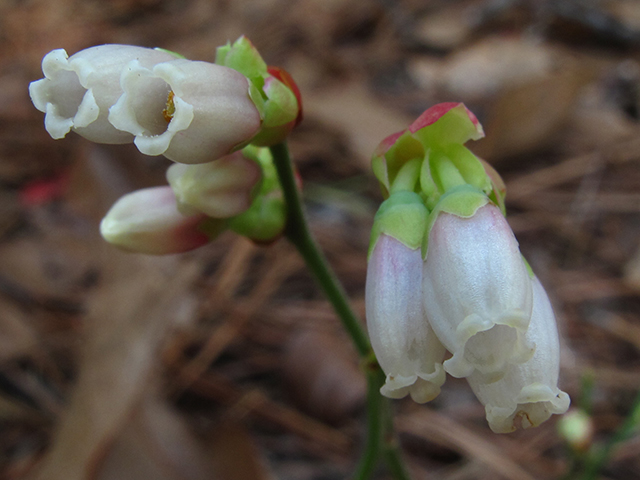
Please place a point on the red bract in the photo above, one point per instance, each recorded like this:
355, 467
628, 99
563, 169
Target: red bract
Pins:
286, 78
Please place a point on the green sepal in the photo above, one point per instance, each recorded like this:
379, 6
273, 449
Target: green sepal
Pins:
275, 101
266, 218
428, 187
402, 216
445, 173
529, 269
281, 106
258, 98
243, 57
454, 127
264, 221
278, 113
463, 201
387, 165
170, 52
469, 166
407, 177
498, 188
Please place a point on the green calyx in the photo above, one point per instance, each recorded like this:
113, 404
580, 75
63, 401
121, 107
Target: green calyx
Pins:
529, 269
266, 218
170, 52
463, 201
243, 57
436, 152
402, 216
275, 101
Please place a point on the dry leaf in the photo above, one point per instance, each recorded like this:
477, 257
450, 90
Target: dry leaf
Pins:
127, 322
235, 455
156, 444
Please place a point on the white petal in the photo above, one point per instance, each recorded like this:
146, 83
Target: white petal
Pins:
477, 293
78, 91
529, 390
148, 221
213, 112
220, 189
401, 337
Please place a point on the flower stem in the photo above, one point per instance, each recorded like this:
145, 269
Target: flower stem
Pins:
379, 422
371, 454
391, 446
298, 233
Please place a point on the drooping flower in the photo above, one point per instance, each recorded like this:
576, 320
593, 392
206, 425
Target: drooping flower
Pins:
77, 91
404, 343
477, 294
148, 221
191, 112
529, 391
476, 286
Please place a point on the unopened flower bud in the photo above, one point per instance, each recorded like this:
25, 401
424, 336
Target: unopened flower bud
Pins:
148, 221
576, 427
476, 286
266, 218
77, 91
528, 391
435, 140
273, 91
219, 189
190, 112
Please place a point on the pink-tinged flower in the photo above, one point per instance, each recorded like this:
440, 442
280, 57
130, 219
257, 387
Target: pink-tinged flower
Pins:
477, 291
404, 343
529, 391
220, 189
77, 91
148, 221
190, 112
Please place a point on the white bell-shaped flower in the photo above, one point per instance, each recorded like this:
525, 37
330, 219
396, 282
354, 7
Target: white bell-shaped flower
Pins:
148, 221
77, 91
477, 292
220, 189
529, 391
190, 112
402, 339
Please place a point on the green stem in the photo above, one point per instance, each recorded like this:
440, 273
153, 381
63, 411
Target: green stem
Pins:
391, 446
299, 234
371, 455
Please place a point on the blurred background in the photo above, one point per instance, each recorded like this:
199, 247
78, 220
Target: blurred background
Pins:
227, 363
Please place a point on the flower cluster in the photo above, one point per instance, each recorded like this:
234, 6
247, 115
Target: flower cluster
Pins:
446, 273
239, 192
211, 118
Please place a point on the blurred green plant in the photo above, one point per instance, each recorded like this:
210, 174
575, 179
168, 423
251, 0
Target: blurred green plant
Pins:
588, 458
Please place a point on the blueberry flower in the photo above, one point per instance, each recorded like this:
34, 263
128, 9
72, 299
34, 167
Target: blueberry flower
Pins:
78, 91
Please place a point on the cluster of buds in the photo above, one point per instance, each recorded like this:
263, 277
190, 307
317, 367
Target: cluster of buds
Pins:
211, 118
238, 192
446, 273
